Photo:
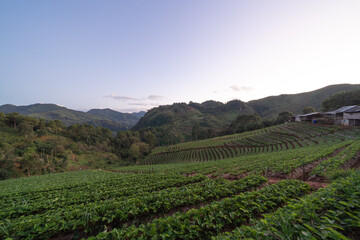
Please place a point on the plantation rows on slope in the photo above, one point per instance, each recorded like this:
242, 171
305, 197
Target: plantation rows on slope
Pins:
277, 138
176, 202
195, 200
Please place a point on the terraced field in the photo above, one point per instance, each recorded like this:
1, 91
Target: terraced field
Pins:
276, 138
310, 190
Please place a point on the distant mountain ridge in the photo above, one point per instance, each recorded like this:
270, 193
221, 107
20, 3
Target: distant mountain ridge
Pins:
273, 105
115, 121
182, 117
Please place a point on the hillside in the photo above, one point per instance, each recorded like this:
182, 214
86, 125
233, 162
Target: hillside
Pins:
113, 120
34, 154
271, 106
193, 121
338, 100
128, 119
182, 117
272, 139
34, 146
264, 190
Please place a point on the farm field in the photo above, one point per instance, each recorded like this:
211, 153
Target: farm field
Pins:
211, 189
276, 138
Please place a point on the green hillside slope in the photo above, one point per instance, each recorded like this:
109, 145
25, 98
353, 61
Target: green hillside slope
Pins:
271, 106
182, 117
113, 120
273, 139
193, 121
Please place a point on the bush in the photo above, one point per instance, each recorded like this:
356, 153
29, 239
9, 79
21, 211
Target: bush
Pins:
4, 174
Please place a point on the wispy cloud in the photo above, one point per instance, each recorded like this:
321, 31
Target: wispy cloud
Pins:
235, 88
124, 98
145, 104
156, 97
128, 98
241, 88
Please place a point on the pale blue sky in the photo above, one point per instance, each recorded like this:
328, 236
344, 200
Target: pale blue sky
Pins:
134, 55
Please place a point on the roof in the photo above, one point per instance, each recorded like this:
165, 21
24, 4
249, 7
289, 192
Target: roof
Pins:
353, 110
308, 114
342, 109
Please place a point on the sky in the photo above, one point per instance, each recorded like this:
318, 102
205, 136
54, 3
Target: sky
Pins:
139, 54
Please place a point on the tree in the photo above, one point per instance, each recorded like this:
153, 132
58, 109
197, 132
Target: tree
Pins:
308, 109
246, 122
341, 99
2, 119
150, 139
135, 151
12, 119
284, 116
26, 127
40, 128
195, 132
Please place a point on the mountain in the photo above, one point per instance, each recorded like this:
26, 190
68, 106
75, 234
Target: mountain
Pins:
115, 116
113, 120
271, 106
341, 99
182, 117
139, 114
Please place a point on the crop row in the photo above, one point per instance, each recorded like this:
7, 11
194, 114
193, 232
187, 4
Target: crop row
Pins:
277, 138
299, 132
96, 216
22, 186
94, 193
211, 219
333, 164
330, 213
275, 162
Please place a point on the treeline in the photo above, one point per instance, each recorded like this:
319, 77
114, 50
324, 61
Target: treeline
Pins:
341, 99
243, 123
35, 146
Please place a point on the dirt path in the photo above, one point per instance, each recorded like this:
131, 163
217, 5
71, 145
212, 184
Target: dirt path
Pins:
315, 185
302, 172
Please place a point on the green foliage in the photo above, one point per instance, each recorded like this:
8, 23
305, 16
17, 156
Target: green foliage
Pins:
4, 174
330, 213
308, 109
245, 123
285, 116
345, 98
330, 168
179, 201
180, 121
32, 146
113, 120
213, 218
280, 137
271, 106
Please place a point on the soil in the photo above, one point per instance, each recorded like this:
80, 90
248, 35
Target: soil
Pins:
315, 185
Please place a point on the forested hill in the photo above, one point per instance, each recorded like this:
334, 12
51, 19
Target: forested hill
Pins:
31, 146
271, 106
182, 117
193, 121
115, 121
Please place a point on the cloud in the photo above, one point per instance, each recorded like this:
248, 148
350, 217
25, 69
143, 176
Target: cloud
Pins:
155, 97
144, 104
241, 89
128, 98
124, 98
235, 88
138, 104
